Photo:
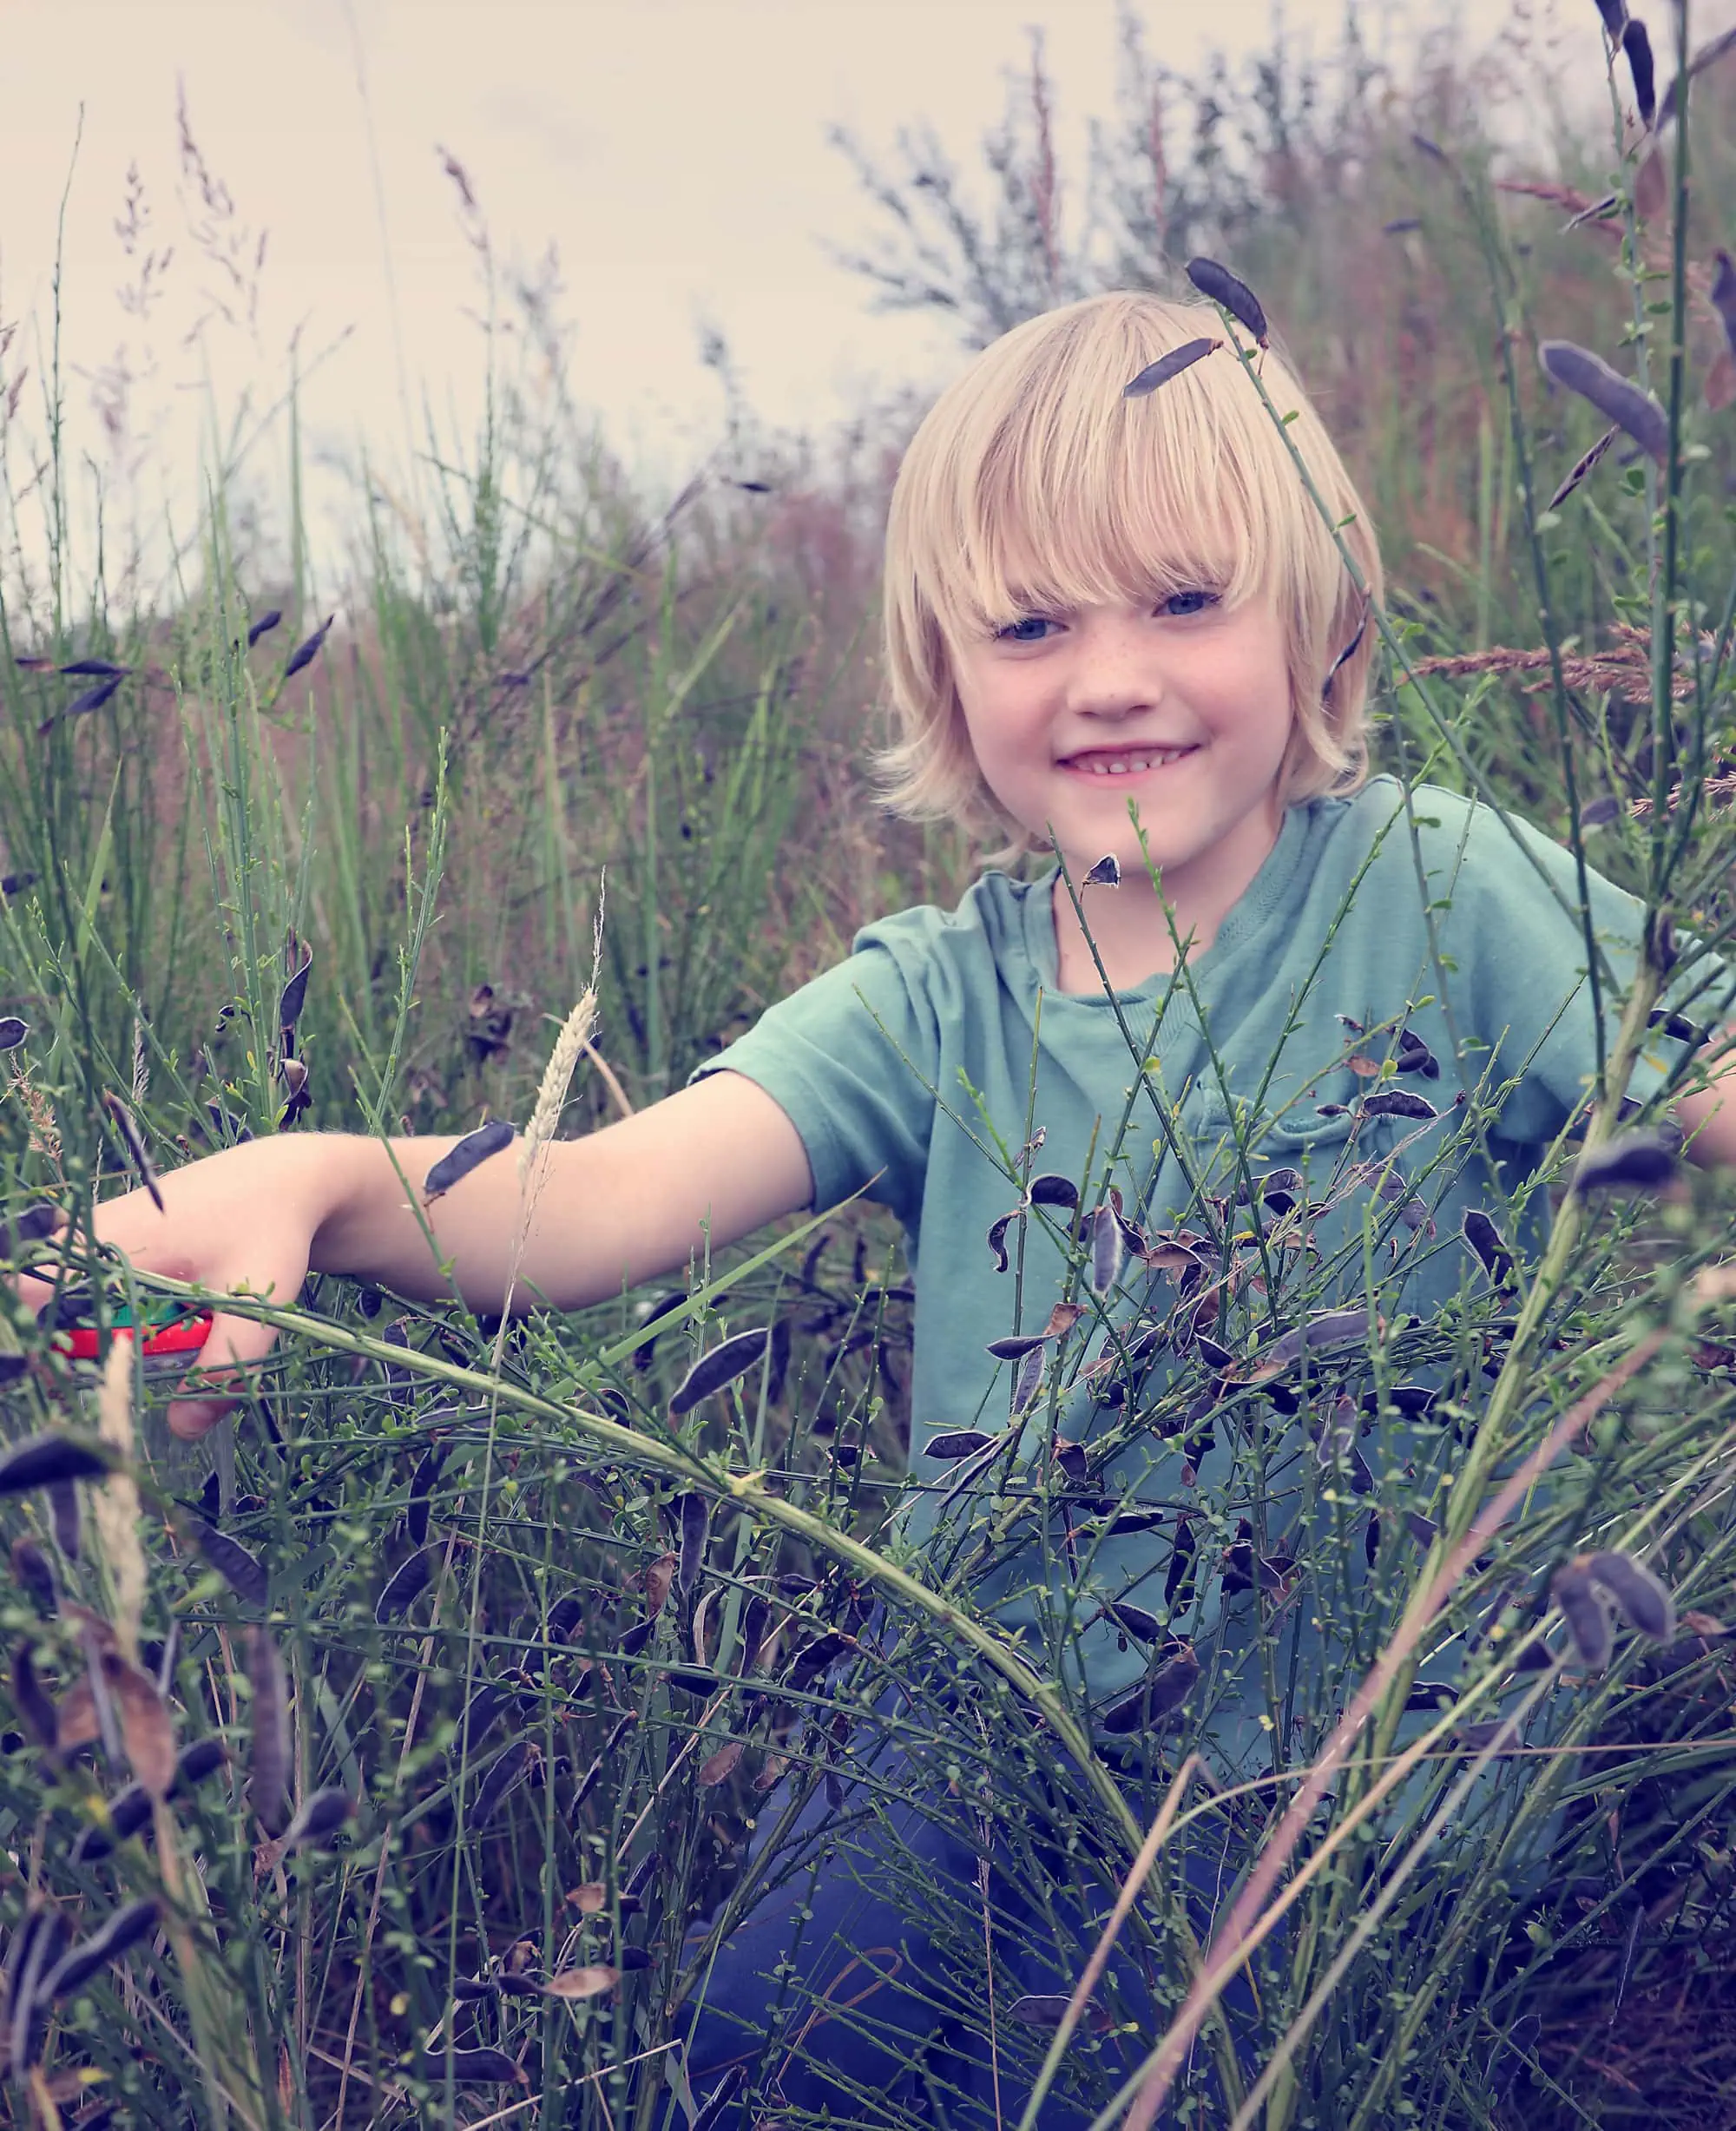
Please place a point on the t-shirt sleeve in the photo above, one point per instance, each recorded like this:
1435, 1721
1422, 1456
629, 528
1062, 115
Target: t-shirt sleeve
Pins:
851, 1059
1522, 954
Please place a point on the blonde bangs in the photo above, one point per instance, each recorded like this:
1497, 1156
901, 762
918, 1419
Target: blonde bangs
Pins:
1034, 486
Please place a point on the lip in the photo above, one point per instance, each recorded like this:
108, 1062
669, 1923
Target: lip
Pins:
1080, 765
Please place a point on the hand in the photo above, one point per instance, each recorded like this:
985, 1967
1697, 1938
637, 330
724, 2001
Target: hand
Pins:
240, 1221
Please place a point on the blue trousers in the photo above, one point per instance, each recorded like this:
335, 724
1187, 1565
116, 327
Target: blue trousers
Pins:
860, 1986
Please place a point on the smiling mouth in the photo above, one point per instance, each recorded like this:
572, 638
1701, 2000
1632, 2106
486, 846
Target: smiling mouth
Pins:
1106, 762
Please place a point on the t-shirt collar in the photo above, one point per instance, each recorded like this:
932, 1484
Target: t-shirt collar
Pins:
1252, 909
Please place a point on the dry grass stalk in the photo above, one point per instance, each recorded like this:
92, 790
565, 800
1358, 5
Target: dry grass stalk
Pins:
1623, 668
116, 1506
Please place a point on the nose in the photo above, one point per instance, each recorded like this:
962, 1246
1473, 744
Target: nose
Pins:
1116, 671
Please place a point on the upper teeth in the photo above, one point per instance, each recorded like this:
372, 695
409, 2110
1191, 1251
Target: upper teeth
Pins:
1122, 764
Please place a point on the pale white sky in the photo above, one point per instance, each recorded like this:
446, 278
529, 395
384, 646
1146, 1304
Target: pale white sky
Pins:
672, 150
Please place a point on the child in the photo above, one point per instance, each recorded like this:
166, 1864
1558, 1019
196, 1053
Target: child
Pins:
1090, 599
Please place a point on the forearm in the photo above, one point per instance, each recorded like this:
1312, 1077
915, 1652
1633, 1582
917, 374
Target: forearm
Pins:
370, 1227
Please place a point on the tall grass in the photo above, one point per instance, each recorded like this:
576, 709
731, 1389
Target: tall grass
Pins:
555, 1695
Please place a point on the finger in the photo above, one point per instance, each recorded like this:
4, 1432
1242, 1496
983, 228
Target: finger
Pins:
234, 1348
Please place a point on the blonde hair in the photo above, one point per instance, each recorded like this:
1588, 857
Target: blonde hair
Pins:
1032, 483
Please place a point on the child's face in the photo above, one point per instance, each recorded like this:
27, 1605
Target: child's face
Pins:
1071, 715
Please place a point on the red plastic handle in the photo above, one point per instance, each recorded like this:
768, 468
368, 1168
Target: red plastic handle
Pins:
186, 1336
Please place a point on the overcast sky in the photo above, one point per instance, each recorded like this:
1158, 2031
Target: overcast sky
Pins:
673, 151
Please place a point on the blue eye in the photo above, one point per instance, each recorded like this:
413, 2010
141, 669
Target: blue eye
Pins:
1189, 602
1010, 633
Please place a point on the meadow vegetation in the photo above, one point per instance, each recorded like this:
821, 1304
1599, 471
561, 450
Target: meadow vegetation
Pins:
406, 1738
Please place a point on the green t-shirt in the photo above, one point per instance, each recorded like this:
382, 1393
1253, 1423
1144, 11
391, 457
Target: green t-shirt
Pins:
945, 1028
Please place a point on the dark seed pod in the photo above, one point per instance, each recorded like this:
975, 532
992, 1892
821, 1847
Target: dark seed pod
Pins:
1046, 2009
1158, 1696
94, 669
32, 1700
1015, 1346
480, 1712
643, 1353
1397, 1102
266, 623
1107, 873
1617, 398
41, 1940
718, 2101
720, 1367
467, 1988
957, 1442
1168, 366
305, 652
35, 1225
319, 1819
474, 1148
47, 1460
407, 1584
637, 1636
134, 1145
468, 2068
1638, 1159
245, 1576
199, 1759
1585, 1613
1236, 297
1109, 1249
1050, 1190
1585, 464
64, 1515
1615, 14
1214, 1355
1349, 651
1484, 1238
695, 1530
1643, 1601
1028, 1379
1415, 1056
564, 1615
1143, 1626
269, 1764
32, 1568
997, 1239
1423, 1529
505, 1774
12, 1031
1125, 1521
79, 1964
1638, 47
1493, 1735
92, 699
813, 1658
756, 1618
294, 997
1724, 298
1600, 812
1428, 1696
128, 1810
691, 1681
423, 1482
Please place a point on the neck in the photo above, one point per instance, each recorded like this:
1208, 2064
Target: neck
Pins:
1130, 926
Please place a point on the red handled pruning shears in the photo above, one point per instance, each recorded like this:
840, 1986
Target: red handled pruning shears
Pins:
168, 1339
